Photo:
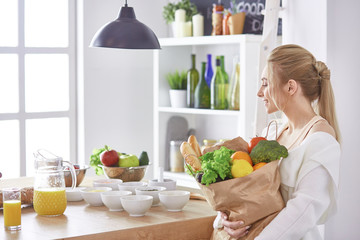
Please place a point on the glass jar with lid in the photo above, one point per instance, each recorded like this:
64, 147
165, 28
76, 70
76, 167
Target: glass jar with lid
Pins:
207, 143
176, 159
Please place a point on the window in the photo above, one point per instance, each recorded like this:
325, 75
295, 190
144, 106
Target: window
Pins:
37, 82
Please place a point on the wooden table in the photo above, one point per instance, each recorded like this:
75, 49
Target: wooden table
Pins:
81, 221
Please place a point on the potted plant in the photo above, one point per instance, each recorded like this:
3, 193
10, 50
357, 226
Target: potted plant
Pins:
236, 19
178, 83
170, 9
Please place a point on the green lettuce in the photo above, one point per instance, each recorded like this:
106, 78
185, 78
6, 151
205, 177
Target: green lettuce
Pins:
216, 165
95, 161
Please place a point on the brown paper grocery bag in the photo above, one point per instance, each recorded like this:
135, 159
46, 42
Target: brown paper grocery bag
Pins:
254, 199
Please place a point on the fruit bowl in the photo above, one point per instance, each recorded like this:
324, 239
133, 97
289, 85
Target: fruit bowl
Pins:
127, 174
80, 174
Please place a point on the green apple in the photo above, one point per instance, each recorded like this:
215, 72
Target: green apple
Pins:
128, 160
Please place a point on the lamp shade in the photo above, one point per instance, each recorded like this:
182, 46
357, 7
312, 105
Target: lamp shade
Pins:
125, 32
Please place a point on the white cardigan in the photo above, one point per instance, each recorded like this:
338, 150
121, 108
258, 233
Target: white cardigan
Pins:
309, 186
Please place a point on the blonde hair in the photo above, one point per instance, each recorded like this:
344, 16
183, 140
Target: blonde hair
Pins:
294, 62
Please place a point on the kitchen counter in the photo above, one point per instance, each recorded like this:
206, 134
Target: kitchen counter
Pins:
81, 221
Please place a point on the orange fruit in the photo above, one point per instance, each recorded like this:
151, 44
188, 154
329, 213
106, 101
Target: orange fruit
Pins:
241, 155
258, 165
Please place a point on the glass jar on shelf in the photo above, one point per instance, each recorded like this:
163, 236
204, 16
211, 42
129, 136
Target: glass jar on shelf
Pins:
176, 159
217, 19
207, 143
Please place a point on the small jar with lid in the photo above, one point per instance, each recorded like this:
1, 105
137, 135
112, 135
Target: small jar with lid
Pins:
207, 143
223, 140
176, 159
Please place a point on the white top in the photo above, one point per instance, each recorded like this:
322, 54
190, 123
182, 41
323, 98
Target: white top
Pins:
315, 160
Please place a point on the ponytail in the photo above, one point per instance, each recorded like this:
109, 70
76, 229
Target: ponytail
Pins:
326, 101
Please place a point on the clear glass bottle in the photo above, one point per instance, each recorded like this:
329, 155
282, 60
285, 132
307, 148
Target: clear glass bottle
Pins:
192, 81
202, 91
218, 88
234, 89
209, 71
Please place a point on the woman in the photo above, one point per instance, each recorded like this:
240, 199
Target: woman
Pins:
299, 86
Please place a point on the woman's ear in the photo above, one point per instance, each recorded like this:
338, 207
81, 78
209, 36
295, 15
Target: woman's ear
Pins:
292, 87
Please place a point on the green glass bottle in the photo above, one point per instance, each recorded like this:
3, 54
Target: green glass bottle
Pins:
202, 90
218, 88
222, 63
226, 77
192, 81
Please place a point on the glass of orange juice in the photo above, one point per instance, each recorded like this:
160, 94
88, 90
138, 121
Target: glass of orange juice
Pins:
12, 208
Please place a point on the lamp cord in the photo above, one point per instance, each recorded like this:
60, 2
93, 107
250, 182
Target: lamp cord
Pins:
126, 3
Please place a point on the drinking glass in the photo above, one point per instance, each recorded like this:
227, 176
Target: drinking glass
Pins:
12, 208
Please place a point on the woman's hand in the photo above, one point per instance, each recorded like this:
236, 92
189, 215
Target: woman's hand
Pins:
235, 229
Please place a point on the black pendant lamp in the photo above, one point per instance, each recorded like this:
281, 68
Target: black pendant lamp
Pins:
125, 32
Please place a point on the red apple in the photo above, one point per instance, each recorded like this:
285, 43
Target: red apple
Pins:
109, 157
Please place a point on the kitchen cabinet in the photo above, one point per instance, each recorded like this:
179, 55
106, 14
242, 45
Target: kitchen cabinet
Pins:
175, 54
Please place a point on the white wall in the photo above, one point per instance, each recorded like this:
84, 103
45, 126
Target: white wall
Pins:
117, 84
343, 57
330, 30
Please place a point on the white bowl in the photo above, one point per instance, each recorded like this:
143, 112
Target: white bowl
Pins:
112, 199
151, 191
113, 183
130, 186
136, 205
92, 195
174, 201
73, 195
168, 183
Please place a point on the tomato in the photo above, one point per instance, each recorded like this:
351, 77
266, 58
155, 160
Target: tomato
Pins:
253, 142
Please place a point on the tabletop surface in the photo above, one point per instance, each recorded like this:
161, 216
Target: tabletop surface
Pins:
81, 221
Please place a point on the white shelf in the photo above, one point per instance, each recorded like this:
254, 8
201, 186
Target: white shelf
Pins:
199, 111
208, 40
207, 123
